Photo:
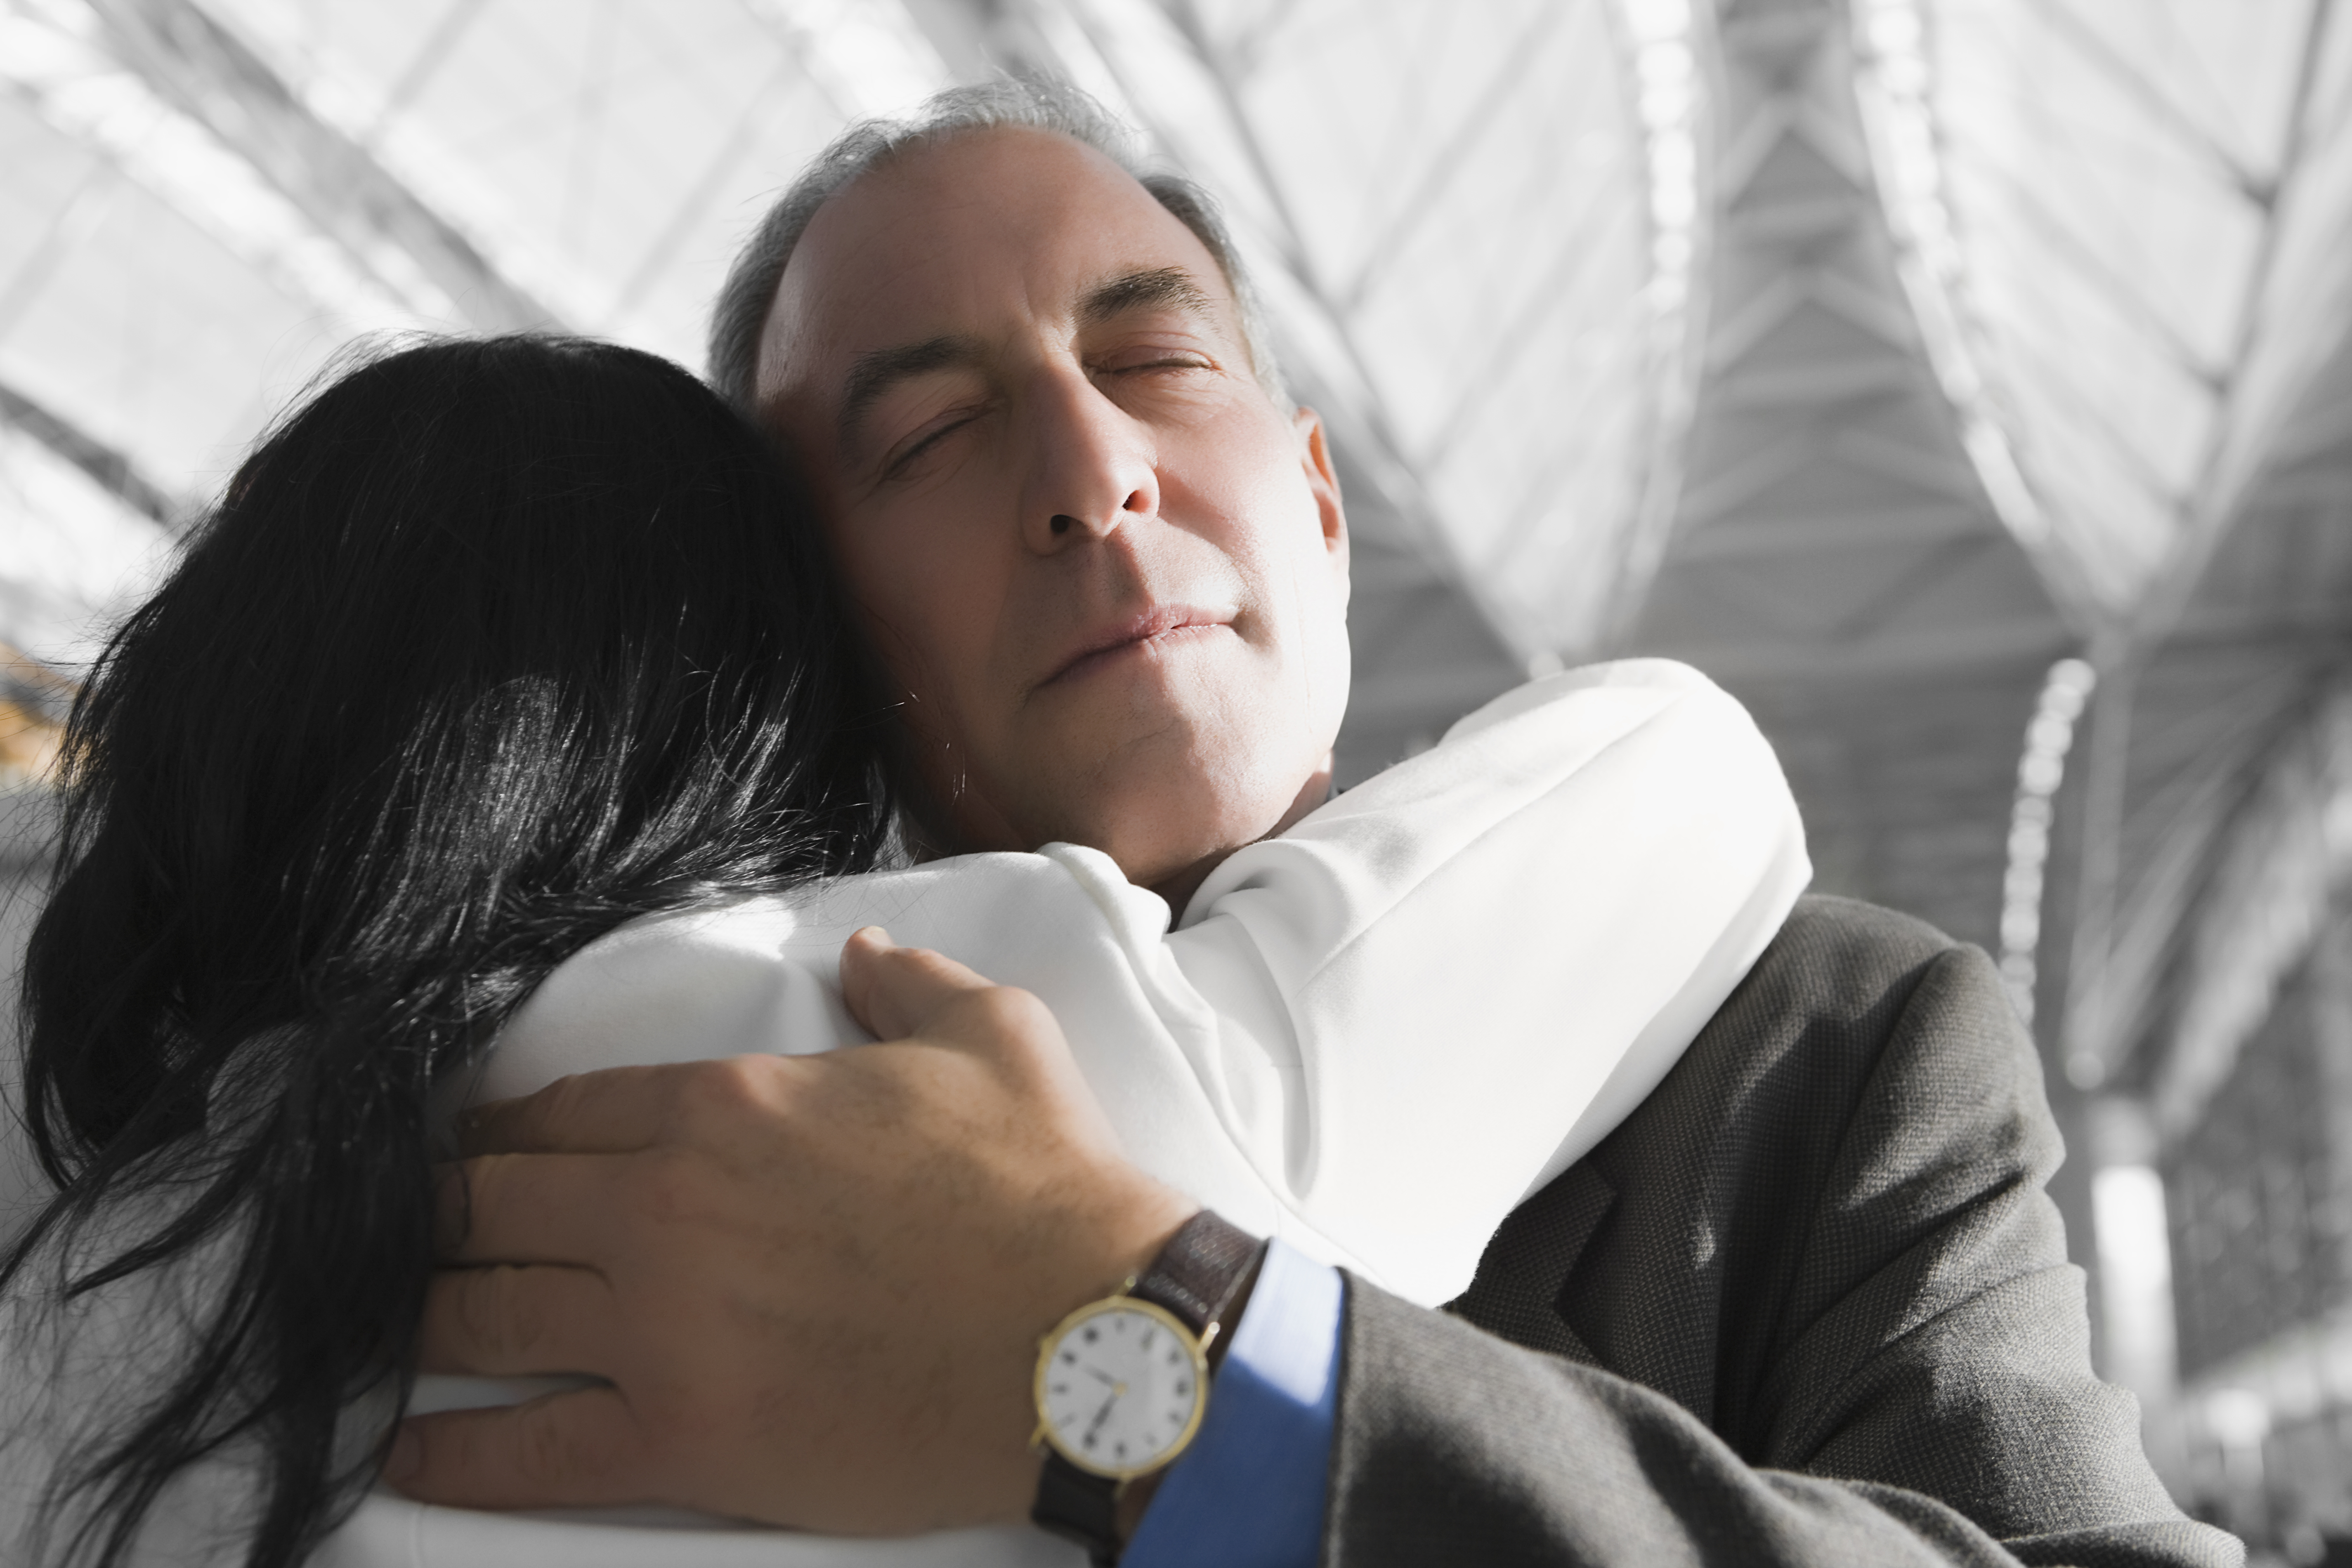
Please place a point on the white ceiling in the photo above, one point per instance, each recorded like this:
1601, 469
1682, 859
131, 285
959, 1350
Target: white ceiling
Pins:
1872, 352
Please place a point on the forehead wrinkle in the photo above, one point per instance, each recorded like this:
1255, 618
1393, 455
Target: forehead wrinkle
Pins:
874, 371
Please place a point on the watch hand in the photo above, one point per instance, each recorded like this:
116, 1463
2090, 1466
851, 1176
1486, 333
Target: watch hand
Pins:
1099, 1376
1103, 1415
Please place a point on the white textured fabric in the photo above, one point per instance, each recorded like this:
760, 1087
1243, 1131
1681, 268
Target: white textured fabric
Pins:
1370, 1035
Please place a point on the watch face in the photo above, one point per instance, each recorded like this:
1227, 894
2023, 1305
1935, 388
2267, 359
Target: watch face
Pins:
1120, 1387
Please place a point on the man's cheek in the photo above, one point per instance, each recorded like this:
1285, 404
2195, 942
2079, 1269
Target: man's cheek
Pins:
908, 588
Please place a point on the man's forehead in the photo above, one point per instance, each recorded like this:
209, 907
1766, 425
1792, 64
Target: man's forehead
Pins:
959, 237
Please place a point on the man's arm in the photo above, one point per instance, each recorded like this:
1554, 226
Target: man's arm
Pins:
1827, 1236
1457, 1446
813, 1286
760, 1266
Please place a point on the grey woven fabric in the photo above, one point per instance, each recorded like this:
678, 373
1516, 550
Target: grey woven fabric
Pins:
1809, 1304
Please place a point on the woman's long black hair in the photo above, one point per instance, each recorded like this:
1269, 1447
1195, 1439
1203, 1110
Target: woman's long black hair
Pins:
491, 646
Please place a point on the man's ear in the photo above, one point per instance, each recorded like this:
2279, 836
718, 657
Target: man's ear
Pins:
1323, 480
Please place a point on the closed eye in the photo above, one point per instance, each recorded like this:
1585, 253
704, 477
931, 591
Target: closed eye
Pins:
1168, 362
896, 464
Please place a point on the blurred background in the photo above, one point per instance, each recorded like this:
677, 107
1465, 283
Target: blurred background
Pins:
1965, 383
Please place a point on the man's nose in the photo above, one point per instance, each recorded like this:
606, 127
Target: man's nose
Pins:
1093, 467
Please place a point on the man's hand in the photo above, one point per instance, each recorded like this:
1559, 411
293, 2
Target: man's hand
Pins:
814, 1283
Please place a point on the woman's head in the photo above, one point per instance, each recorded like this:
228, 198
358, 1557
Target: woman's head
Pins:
489, 645
481, 628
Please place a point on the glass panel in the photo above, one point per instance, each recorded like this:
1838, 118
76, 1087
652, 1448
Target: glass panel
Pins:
159, 294
606, 156
2105, 202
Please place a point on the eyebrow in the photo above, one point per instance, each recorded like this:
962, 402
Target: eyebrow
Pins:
874, 373
1160, 288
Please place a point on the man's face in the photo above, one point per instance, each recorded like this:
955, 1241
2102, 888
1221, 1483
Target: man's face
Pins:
1108, 572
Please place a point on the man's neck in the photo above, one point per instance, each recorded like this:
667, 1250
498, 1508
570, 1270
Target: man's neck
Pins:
930, 835
1178, 890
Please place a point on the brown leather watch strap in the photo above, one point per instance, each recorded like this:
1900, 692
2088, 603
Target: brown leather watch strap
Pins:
1200, 1271
1078, 1507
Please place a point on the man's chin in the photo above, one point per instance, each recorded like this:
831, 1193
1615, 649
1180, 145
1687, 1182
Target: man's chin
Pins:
1166, 789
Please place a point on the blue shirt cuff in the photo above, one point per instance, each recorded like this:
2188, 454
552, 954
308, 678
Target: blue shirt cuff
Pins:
1249, 1493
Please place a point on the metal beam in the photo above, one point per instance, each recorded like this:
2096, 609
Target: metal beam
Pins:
2261, 906
2258, 623
194, 63
2017, 649
111, 469
1835, 561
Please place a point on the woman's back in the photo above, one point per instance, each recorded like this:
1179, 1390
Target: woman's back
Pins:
489, 646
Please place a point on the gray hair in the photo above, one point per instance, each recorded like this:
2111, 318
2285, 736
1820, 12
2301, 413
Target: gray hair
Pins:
740, 315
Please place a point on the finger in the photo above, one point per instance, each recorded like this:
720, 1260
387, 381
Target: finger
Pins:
610, 1112
530, 1208
575, 1449
892, 989
502, 1321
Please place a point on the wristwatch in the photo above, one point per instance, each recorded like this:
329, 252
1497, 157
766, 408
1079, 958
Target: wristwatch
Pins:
1122, 1383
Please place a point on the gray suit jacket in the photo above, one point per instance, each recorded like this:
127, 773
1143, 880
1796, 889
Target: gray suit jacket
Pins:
1809, 1304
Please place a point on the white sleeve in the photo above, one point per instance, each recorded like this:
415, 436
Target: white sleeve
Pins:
1441, 988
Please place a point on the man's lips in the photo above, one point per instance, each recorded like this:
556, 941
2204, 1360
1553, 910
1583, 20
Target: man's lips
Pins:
1154, 625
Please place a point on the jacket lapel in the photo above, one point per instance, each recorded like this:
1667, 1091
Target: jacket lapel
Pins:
1526, 1267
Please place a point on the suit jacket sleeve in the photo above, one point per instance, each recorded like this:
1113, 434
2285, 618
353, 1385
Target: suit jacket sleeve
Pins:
1811, 1305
